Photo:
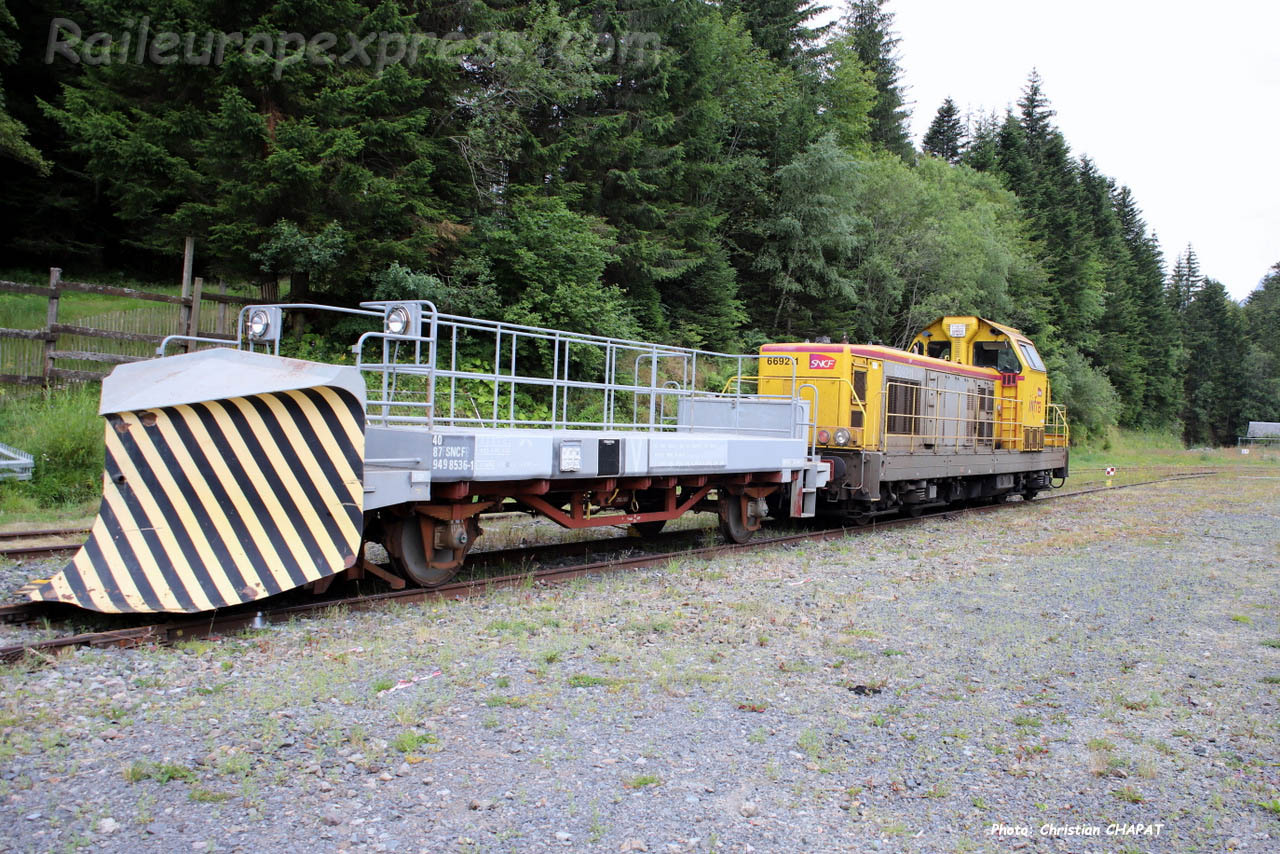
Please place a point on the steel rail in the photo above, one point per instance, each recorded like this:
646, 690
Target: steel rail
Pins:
247, 617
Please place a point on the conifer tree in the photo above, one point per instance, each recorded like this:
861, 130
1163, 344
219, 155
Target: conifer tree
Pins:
946, 135
781, 27
1262, 312
1214, 328
1185, 280
871, 27
1155, 333
13, 134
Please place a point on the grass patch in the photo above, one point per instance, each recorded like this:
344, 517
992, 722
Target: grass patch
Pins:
409, 741
1129, 795
161, 772
1241, 618
582, 680
1274, 643
1027, 721
201, 795
1271, 680
512, 627
494, 701
68, 459
1132, 705
642, 780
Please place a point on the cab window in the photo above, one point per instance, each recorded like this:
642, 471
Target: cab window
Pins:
940, 350
996, 354
1029, 353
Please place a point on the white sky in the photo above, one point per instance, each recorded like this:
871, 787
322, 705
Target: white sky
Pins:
1179, 101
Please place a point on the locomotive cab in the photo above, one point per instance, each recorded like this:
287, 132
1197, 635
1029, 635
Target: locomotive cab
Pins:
1025, 417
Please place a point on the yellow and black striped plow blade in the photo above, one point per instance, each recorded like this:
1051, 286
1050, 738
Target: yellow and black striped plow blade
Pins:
218, 503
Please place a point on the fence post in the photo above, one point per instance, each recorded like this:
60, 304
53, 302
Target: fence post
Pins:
197, 293
50, 341
222, 307
188, 261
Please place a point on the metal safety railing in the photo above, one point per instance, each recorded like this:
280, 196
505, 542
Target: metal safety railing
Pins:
922, 417
438, 369
15, 464
1057, 432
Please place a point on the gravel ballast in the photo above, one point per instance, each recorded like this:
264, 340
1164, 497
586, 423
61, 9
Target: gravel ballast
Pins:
1087, 675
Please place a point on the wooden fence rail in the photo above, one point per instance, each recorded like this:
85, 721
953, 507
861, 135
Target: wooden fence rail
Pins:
53, 331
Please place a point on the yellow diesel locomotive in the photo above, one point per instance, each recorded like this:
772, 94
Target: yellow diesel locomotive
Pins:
963, 414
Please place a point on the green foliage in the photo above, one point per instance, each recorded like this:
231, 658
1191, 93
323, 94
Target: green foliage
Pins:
544, 264
849, 95
870, 27
68, 459
1086, 392
945, 137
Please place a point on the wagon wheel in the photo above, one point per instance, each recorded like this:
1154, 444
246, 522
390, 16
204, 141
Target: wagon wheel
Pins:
405, 544
737, 523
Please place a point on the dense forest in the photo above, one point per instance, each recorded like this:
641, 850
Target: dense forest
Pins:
717, 174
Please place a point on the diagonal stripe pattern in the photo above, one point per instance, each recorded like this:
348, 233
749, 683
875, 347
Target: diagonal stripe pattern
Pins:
218, 503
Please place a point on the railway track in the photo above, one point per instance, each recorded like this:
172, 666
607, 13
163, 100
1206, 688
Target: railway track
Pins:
528, 558
14, 545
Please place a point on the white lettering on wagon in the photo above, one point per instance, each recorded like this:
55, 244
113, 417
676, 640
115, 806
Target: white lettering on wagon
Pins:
688, 453
452, 454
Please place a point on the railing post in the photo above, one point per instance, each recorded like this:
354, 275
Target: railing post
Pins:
51, 318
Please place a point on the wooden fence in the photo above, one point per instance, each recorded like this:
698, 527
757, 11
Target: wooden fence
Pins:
126, 341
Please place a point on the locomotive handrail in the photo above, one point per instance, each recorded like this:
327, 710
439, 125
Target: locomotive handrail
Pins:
757, 377
1005, 429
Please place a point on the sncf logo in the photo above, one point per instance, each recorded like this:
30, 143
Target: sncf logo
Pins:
818, 362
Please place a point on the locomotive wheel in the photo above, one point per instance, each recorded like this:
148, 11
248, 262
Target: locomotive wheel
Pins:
404, 542
737, 523
1030, 495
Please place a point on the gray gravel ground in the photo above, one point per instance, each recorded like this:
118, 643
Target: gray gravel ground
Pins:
1097, 664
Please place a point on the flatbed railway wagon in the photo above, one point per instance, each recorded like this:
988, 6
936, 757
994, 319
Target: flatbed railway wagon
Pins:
235, 474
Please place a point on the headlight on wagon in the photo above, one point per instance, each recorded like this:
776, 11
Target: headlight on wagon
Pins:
843, 436
402, 320
263, 323
258, 324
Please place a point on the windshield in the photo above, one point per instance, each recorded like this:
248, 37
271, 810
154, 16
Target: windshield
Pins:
1029, 353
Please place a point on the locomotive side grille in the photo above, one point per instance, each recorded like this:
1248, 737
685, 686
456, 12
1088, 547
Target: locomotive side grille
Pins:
904, 406
222, 502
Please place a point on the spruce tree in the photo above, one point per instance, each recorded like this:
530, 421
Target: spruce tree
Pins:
1185, 280
871, 27
946, 135
781, 27
13, 134
1217, 345
1155, 335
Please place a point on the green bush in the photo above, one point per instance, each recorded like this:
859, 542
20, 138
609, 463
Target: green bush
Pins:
62, 430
